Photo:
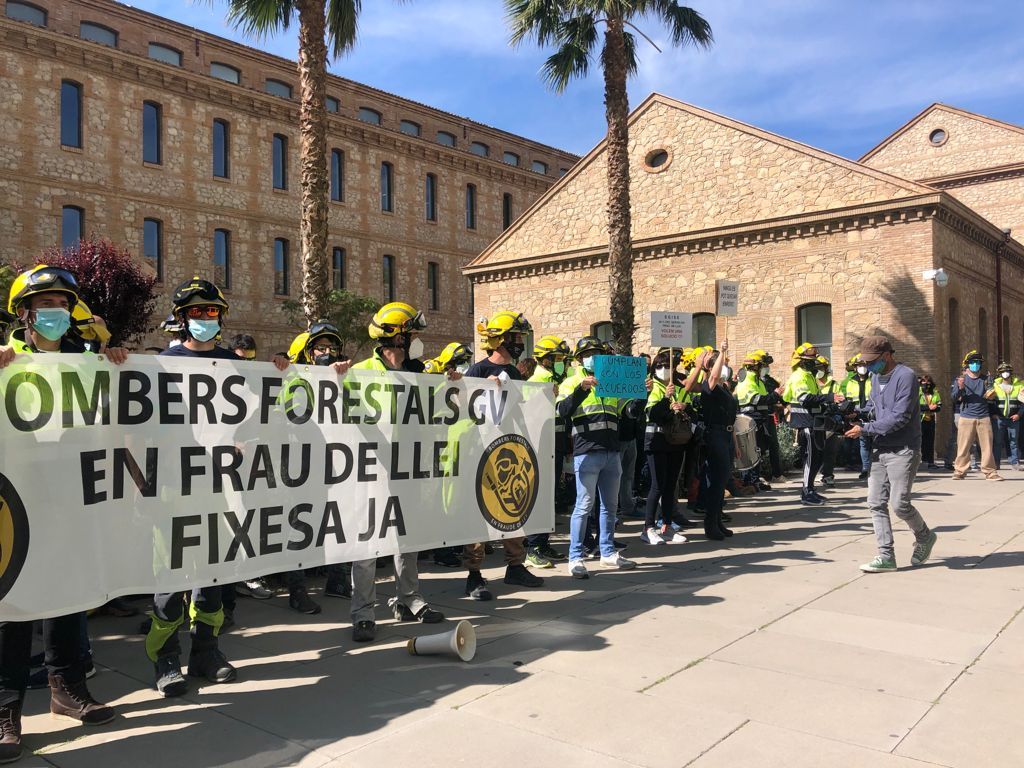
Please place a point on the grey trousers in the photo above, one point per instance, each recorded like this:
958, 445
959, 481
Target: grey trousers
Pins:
891, 482
364, 586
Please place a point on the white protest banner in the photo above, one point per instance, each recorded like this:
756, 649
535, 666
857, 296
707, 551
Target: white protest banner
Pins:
727, 298
169, 473
671, 329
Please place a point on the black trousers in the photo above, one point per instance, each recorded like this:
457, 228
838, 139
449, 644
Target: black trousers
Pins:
768, 442
664, 469
541, 539
928, 441
169, 606
717, 469
814, 439
830, 453
61, 640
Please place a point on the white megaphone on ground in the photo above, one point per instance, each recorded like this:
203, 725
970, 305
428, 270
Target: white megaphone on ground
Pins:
460, 642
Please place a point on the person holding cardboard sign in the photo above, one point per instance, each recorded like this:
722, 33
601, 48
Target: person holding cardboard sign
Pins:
719, 408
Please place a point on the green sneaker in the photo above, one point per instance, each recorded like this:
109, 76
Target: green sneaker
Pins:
923, 549
880, 565
536, 560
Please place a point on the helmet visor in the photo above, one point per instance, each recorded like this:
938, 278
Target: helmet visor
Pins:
202, 290
54, 277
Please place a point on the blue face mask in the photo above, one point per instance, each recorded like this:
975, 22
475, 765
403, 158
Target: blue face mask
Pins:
203, 330
876, 366
51, 324
974, 367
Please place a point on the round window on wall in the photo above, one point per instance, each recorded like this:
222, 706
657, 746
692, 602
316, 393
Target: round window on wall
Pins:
657, 160
937, 137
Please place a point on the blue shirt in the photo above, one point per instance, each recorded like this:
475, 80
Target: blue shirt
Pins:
971, 398
896, 402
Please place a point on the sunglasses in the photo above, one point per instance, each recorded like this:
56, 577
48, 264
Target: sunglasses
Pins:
197, 312
325, 348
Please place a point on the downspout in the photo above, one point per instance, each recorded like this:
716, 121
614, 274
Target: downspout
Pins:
999, 293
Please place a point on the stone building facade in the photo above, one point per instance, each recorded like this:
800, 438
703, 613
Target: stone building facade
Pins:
825, 249
111, 60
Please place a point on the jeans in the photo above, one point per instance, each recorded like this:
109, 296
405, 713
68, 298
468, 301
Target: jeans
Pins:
865, 453
1009, 436
364, 586
597, 470
891, 482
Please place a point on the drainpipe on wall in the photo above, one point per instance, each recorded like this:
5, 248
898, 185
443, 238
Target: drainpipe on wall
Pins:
999, 292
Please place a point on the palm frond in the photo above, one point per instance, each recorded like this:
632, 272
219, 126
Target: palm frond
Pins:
686, 26
342, 19
538, 20
260, 18
578, 39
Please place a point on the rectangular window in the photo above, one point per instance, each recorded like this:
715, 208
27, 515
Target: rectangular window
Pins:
280, 267
152, 133
221, 149
409, 128
337, 175
165, 54
338, 269
430, 197
278, 88
280, 161
368, 115
388, 277
432, 288
387, 179
226, 72
26, 12
445, 138
72, 226
470, 206
222, 258
332, 104
153, 245
97, 33
70, 114
506, 210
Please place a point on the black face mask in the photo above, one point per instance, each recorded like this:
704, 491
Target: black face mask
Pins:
808, 365
325, 359
515, 349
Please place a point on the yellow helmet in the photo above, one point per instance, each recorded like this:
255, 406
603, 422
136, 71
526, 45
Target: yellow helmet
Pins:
823, 362
394, 319
89, 329
452, 355
503, 322
754, 359
551, 346
972, 355
42, 279
198, 292
853, 362
804, 352
298, 347
688, 357
432, 366
299, 351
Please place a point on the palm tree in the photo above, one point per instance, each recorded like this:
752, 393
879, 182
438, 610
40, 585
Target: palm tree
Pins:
571, 27
322, 24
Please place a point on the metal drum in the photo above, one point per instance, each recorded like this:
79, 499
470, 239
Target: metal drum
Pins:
745, 435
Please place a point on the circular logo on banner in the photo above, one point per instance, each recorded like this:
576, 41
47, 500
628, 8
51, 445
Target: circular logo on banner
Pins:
13, 536
506, 482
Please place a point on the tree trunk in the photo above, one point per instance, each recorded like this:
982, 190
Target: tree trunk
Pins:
620, 245
313, 156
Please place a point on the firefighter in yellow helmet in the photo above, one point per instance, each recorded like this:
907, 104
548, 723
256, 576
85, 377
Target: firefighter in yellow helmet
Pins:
456, 357
393, 327
42, 300
759, 402
503, 336
856, 387
807, 408
552, 354
835, 429
971, 393
1007, 390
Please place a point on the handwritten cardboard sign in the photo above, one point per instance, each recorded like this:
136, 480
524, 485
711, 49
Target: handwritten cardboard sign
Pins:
621, 376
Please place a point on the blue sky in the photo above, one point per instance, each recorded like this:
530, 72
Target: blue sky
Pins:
836, 74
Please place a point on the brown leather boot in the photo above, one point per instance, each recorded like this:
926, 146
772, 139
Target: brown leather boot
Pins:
10, 731
73, 700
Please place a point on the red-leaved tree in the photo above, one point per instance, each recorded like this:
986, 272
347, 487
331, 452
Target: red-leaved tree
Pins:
112, 284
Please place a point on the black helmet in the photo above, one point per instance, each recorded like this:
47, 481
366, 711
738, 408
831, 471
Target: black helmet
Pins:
198, 292
591, 344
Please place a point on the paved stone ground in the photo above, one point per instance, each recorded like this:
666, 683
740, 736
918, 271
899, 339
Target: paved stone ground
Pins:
772, 651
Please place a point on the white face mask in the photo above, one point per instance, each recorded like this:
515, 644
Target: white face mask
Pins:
726, 373
862, 370
415, 349
461, 368
661, 373
1006, 374
764, 373
588, 364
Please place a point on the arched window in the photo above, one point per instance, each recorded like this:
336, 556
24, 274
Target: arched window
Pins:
221, 148
371, 116
479, 148
226, 72
409, 128
445, 138
279, 161
337, 175
983, 332
72, 226
814, 326
152, 133
278, 88
602, 330
705, 334
26, 12
87, 30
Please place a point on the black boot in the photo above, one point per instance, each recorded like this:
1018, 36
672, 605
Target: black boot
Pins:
10, 731
169, 680
476, 587
72, 699
205, 659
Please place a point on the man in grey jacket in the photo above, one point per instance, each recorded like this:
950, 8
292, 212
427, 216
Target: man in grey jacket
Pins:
896, 452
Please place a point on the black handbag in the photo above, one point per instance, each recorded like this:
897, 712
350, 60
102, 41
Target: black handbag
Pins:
678, 430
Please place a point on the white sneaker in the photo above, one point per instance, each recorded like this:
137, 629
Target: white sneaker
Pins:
254, 588
618, 561
578, 569
651, 536
677, 538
